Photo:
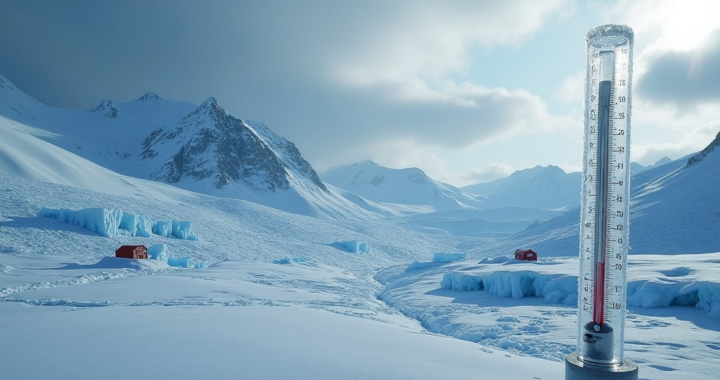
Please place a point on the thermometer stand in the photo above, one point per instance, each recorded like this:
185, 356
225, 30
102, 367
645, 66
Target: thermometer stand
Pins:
604, 206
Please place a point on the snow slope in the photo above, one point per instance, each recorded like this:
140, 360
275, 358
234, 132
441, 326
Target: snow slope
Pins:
318, 316
198, 148
409, 186
531, 308
542, 187
674, 210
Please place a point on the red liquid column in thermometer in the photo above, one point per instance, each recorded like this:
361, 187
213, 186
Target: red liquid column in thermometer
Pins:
607, 63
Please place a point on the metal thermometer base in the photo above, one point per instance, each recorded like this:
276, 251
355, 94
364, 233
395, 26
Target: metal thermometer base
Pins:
576, 369
598, 341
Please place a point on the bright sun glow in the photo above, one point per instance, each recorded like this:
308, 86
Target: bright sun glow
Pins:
677, 24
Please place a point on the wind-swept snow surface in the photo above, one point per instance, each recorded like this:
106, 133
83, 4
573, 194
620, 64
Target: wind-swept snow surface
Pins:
84, 315
671, 330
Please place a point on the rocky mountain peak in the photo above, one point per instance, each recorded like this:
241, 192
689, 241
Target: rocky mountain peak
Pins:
5, 84
106, 108
701, 156
148, 97
210, 144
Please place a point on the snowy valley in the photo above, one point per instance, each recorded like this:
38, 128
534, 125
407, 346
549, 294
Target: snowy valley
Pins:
362, 272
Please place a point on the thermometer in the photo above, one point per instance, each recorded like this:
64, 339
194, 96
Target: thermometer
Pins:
605, 202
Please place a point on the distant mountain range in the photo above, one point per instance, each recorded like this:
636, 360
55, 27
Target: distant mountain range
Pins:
113, 146
409, 186
674, 208
199, 148
540, 187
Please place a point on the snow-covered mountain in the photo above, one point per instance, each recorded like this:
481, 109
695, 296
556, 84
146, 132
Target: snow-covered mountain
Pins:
209, 144
410, 186
541, 187
674, 209
199, 148
637, 168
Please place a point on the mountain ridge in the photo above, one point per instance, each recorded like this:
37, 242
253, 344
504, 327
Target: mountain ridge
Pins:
199, 148
407, 186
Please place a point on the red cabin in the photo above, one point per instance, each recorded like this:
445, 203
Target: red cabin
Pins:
525, 254
132, 252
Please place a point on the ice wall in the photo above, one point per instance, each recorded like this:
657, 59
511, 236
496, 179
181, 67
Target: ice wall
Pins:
560, 288
104, 222
354, 246
111, 223
449, 257
554, 288
158, 252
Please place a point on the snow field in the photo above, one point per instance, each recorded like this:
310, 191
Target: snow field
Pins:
669, 341
262, 313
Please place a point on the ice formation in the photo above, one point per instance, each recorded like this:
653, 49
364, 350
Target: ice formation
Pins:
158, 252
181, 230
111, 223
553, 287
354, 246
102, 221
562, 288
448, 257
185, 262
162, 228
289, 260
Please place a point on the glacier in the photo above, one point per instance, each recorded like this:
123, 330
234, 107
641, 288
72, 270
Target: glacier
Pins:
112, 223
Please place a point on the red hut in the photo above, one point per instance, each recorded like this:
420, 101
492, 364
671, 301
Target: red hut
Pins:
525, 254
132, 252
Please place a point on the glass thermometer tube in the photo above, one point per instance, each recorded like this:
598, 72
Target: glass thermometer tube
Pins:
605, 195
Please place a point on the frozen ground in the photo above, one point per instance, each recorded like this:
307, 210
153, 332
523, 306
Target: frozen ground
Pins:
282, 298
530, 308
234, 319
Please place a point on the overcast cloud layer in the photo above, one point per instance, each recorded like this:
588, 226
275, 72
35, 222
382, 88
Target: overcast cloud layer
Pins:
345, 80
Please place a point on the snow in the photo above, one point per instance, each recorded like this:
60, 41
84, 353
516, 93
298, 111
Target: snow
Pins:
399, 186
670, 341
319, 311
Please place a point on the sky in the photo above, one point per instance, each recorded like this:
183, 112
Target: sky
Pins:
468, 91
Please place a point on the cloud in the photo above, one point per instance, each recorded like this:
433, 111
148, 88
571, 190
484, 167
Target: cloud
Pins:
571, 89
343, 80
694, 135
486, 174
684, 78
